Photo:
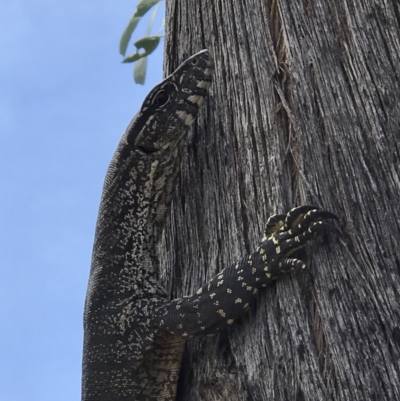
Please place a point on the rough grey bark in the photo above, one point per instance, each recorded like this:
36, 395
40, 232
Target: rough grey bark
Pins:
304, 109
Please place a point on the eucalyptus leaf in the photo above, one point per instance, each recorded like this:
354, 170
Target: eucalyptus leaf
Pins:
148, 43
126, 36
145, 45
134, 57
145, 6
141, 9
139, 71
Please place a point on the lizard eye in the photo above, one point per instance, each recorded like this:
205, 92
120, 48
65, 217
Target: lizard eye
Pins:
161, 98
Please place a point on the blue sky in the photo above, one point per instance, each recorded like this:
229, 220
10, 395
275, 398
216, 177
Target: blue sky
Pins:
65, 100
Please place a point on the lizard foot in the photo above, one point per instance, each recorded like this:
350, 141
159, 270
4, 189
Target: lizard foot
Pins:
286, 234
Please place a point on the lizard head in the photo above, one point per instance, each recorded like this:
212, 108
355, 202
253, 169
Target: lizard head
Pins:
148, 157
172, 106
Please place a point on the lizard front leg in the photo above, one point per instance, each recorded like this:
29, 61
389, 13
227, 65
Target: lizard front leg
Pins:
228, 295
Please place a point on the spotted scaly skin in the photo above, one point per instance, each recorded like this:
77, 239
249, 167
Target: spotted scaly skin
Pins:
229, 294
123, 285
134, 336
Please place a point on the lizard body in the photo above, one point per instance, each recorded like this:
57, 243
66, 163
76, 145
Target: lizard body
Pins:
134, 336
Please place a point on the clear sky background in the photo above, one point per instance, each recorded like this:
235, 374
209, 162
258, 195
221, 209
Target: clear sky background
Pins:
65, 100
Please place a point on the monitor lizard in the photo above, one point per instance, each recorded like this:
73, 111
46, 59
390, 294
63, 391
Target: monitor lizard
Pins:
134, 336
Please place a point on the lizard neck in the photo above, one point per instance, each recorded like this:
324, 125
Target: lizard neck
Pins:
136, 197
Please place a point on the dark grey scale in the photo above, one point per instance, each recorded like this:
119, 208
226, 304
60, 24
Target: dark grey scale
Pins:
134, 336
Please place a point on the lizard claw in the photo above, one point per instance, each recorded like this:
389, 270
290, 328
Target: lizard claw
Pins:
321, 228
285, 235
274, 223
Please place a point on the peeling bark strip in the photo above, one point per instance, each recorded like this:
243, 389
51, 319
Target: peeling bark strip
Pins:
305, 109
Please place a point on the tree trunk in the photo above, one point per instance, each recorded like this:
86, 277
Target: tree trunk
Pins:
304, 109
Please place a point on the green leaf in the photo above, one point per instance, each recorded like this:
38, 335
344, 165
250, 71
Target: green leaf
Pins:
148, 43
126, 36
141, 9
139, 72
145, 6
133, 57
